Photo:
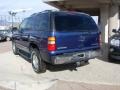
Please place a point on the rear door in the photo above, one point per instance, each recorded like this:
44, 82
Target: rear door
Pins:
26, 31
75, 32
22, 36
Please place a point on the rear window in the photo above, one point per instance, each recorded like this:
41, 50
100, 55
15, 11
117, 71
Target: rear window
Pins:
73, 22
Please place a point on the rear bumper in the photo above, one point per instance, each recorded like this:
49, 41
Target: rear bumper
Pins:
74, 57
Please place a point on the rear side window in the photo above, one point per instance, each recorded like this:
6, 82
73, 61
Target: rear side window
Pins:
69, 22
41, 22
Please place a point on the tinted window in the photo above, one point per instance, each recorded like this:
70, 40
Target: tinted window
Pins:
30, 23
23, 24
72, 22
38, 22
41, 22
27, 24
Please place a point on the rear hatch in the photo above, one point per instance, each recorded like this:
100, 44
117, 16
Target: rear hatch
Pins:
75, 32
77, 41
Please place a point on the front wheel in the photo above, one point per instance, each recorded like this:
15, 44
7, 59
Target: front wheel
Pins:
38, 64
8, 38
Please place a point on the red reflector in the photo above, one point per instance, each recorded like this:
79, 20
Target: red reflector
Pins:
51, 47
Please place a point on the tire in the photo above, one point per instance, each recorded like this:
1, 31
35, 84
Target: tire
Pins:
14, 48
38, 65
8, 39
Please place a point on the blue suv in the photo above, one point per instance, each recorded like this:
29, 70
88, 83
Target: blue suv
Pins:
57, 37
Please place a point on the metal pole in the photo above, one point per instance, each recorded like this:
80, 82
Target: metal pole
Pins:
12, 23
12, 20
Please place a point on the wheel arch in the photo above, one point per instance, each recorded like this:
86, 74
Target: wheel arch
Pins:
33, 45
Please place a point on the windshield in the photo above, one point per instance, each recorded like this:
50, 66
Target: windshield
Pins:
75, 22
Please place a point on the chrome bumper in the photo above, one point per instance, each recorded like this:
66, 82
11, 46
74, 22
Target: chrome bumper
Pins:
75, 57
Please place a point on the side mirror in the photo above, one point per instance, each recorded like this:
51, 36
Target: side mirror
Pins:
114, 30
14, 29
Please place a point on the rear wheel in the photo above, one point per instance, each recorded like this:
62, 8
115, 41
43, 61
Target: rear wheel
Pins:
38, 64
14, 48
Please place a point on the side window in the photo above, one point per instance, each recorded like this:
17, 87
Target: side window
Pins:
30, 23
23, 24
41, 22
27, 24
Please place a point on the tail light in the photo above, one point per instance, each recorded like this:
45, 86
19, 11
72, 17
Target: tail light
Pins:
100, 40
51, 44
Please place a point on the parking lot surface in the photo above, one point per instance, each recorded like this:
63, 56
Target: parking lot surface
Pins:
18, 71
5, 46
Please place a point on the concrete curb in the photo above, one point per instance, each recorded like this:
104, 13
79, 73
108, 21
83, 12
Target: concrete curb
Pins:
38, 85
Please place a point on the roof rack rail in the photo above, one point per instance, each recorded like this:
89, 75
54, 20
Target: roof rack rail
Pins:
43, 12
49, 11
34, 14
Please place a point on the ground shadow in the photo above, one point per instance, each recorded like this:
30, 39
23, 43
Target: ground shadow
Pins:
115, 61
71, 67
1, 41
55, 68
